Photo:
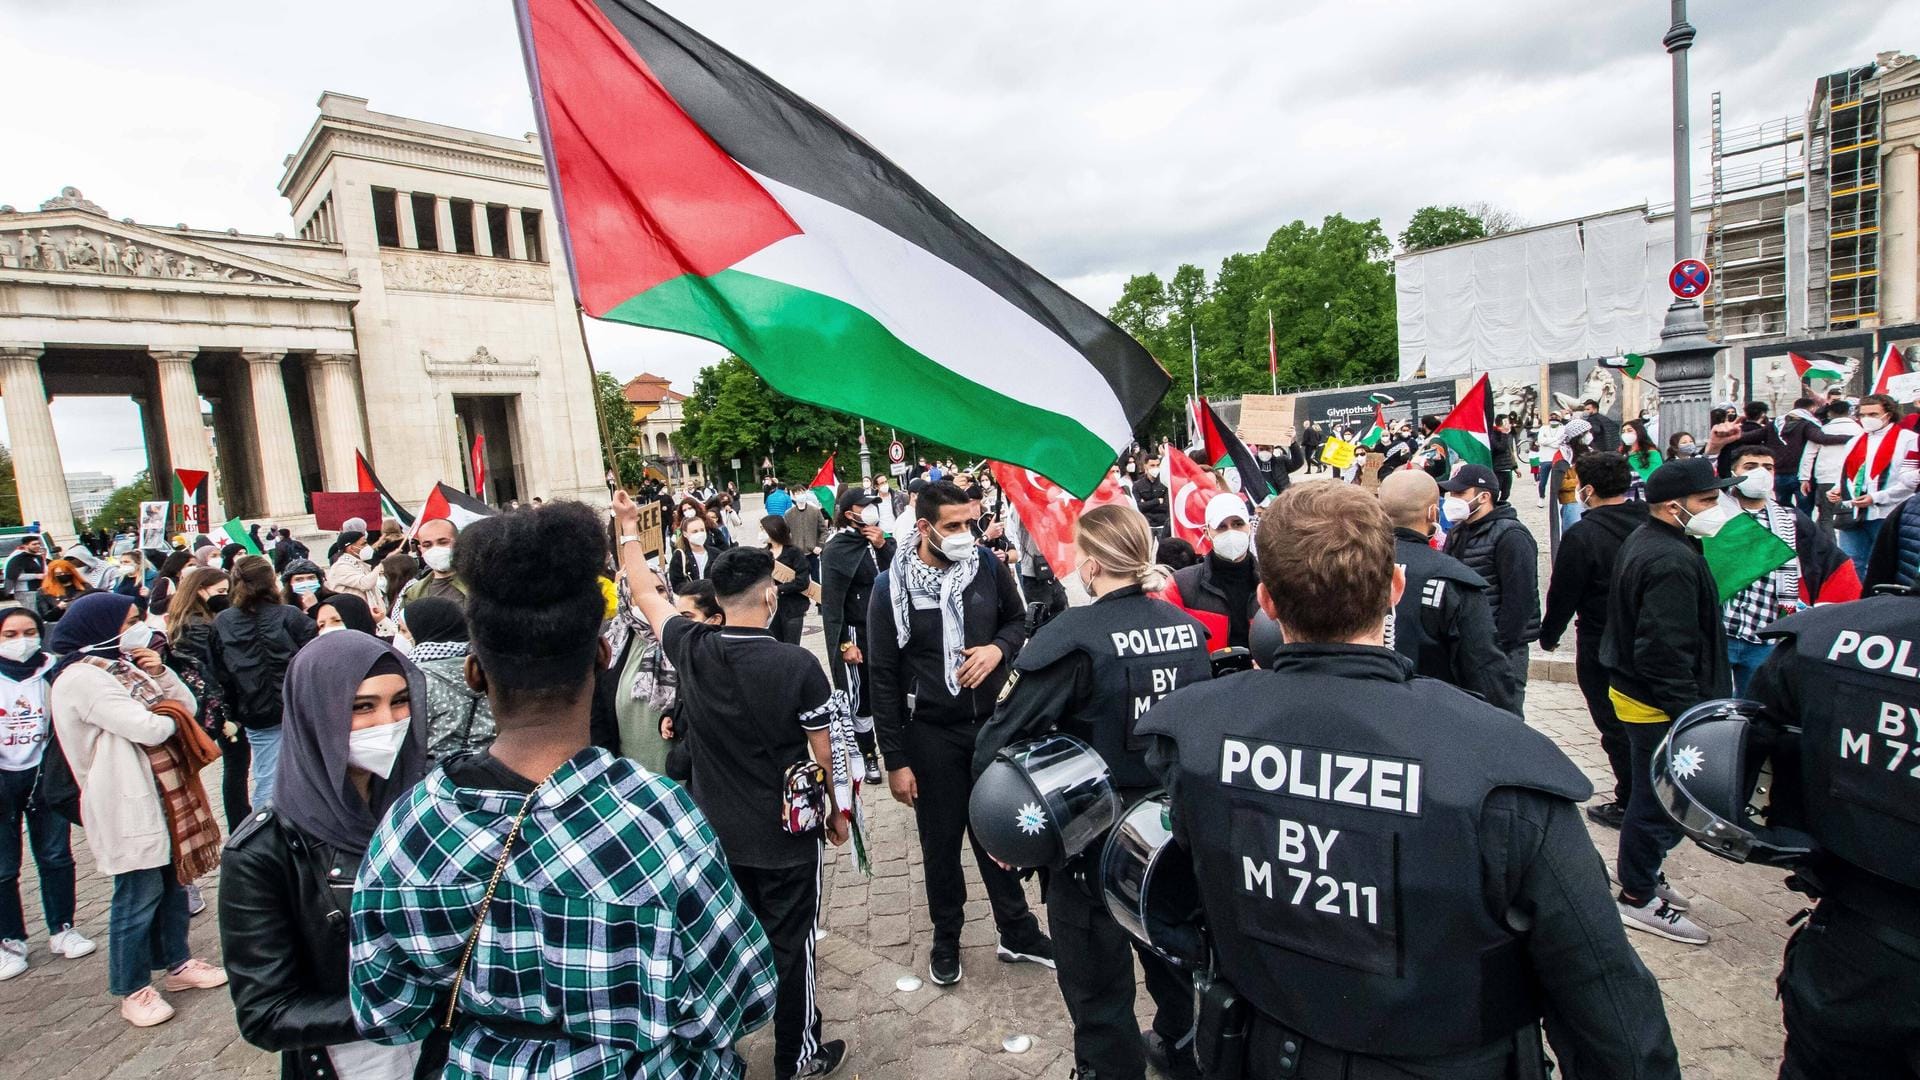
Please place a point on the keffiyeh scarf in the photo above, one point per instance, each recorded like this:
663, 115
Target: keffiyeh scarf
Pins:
948, 584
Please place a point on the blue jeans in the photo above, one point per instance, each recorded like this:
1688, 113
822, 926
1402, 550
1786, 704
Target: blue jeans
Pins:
1745, 657
1858, 543
266, 760
146, 928
1569, 514
48, 833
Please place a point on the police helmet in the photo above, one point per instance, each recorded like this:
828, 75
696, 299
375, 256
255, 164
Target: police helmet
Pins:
1043, 801
1148, 884
1230, 660
1263, 638
1706, 773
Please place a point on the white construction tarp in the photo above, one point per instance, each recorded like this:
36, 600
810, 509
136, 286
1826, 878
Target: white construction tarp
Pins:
1572, 291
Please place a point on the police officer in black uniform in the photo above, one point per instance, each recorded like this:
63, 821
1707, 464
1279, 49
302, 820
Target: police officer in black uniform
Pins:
1395, 876
1442, 621
1848, 675
1092, 673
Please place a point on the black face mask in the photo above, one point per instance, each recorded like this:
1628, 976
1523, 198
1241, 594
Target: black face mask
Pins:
218, 602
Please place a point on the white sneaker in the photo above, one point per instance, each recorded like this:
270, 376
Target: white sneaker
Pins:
70, 943
195, 904
1660, 918
1662, 889
13, 958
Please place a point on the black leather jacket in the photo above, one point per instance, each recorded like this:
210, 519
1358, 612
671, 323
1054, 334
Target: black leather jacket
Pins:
284, 902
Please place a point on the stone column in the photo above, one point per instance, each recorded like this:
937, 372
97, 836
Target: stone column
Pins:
403, 210
516, 234
37, 472
443, 221
482, 230
338, 406
1900, 236
184, 428
273, 435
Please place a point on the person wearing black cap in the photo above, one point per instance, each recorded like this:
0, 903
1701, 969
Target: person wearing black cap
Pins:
1488, 536
1664, 651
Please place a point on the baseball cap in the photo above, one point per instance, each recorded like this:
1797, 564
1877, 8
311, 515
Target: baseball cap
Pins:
1224, 506
1683, 477
1471, 476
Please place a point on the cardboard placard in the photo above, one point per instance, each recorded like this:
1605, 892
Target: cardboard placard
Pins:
331, 509
652, 540
1266, 419
1904, 388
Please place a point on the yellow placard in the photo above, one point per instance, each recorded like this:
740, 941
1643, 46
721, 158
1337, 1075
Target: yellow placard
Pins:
1337, 452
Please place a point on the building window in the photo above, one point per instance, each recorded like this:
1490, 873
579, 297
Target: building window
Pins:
462, 225
386, 219
424, 226
530, 227
497, 231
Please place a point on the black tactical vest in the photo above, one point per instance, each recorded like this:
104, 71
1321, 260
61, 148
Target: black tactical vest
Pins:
1856, 678
1332, 806
1418, 625
1142, 649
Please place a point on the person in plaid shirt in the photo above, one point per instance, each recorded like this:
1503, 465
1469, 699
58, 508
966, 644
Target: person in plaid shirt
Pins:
612, 940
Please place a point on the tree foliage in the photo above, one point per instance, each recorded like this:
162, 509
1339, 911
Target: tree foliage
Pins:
622, 433
1330, 291
1438, 226
123, 504
9, 490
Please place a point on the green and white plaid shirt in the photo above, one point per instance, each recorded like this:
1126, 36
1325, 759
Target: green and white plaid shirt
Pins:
617, 925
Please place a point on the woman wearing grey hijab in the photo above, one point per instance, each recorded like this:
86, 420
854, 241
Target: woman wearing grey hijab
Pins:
353, 743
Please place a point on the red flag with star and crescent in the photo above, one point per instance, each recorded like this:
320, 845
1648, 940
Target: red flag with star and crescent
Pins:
1049, 512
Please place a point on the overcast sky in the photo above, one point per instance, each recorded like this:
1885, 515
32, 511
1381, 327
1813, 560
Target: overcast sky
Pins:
1094, 140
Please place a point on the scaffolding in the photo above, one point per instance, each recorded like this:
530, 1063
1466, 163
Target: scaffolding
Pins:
1844, 191
1756, 182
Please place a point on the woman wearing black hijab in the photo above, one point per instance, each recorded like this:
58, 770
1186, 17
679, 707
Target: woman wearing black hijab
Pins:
344, 611
353, 742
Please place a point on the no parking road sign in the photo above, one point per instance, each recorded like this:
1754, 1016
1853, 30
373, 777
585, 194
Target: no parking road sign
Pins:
1689, 278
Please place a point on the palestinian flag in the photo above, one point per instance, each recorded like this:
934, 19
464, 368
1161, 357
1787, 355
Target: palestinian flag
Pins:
825, 486
697, 195
1859, 470
1892, 364
1225, 450
452, 504
1464, 431
190, 500
1741, 552
389, 506
1632, 364
1381, 399
1824, 366
1377, 431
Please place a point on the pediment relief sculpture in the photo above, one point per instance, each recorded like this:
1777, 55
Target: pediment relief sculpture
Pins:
74, 249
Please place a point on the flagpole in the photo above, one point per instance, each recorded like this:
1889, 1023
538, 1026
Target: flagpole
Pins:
1194, 338
1273, 356
607, 459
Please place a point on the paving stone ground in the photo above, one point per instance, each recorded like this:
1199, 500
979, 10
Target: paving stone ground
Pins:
1719, 999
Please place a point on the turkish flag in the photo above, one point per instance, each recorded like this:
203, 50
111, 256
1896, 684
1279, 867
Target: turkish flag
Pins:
1049, 513
1188, 488
477, 464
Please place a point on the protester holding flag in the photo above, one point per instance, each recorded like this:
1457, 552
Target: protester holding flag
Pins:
1813, 567
855, 553
1665, 651
1880, 471
1505, 463
1219, 589
1492, 542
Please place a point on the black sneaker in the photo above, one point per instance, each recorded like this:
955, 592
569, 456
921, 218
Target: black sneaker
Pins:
1032, 947
1173, 1062
827, 1059
944, 967
1609, 814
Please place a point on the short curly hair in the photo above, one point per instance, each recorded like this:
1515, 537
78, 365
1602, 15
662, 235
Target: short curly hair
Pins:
534, 604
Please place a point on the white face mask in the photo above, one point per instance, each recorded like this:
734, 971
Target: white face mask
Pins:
1629, 437
696, 537
958, 546
1455, 509
1707, 522
870, 515
375, 749
137, 636
1757, 484
18, 649
1873, 423
438, 559
1232, 544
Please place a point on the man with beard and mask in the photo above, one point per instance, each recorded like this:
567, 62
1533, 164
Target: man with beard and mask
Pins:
1779, 593
436, 539
1664, 651
1490, 539
1582, 577
1442, 621
1218, 590
945, 624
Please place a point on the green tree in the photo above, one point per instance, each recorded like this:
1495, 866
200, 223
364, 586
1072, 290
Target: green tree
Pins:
9, 492
1437, 226
622, 433
123, 504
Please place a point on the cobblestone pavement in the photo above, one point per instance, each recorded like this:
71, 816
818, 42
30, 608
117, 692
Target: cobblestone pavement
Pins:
1719, 998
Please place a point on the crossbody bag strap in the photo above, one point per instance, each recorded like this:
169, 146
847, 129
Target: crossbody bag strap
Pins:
480, 917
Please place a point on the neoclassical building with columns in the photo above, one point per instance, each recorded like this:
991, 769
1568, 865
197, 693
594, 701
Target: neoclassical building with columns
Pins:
421, 300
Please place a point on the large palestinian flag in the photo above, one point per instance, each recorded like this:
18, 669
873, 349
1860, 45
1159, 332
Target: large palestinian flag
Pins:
700, 196
1464, 431
1892, 364
190, 500
452, 504
366, 481
1824, 366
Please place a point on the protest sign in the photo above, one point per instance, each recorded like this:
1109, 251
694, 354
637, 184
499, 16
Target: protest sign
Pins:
331, 509
1337, 452
153, 525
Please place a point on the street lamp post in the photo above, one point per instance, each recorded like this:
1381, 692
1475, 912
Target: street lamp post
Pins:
866, 458
1684, 359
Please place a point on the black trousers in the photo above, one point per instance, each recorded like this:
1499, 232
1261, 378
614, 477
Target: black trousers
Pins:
1847, 992
786, 900
1647, 833
1592, 678
1095, 961
1506, 484
236, 761
787, 625
943, 767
